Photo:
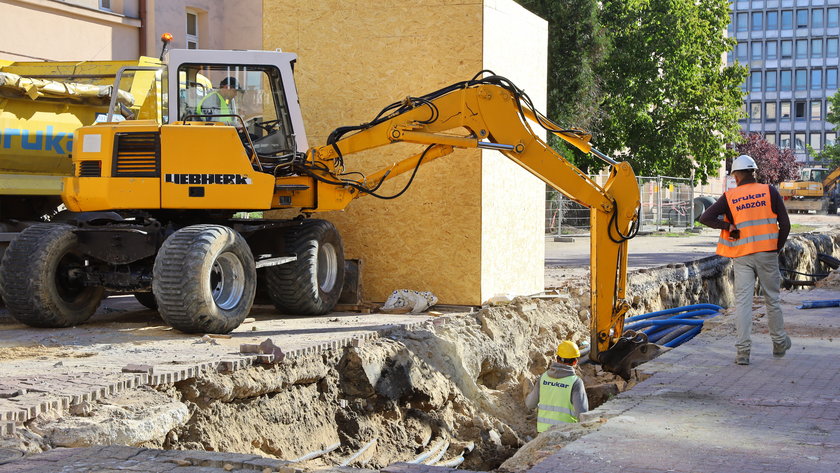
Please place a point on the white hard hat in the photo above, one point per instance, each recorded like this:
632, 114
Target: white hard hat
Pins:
743, 163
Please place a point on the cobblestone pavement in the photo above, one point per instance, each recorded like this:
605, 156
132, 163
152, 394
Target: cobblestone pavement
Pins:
699, 412
123, 347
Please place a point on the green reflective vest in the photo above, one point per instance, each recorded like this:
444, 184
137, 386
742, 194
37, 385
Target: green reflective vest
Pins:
224, 108
555, 405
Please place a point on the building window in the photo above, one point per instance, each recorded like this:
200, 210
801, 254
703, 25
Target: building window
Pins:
770, 81
784, 80
757, 50
755, 81
772, 52
816, 110
770, 111
787, 49
755, 111
731, 27
832, 17
742, 52
757, 21
784, 110
787, 19
799, 141
830, 138
784, 140
105, 5
817, 18
192, 30
801, 79
772, 20
801, 18
816, 78
815, 141
799, 110
770, 138
801, 48
816, 48
831, 78
831, 47
742, 21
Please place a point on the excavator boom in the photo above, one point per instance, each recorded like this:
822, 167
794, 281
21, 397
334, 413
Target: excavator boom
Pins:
493, 114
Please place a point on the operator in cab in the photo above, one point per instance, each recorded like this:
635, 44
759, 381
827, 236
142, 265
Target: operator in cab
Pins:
559, 393
221, 101
754, 226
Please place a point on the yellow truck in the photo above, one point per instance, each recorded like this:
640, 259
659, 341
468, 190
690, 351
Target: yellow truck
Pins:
817, 189
41, 106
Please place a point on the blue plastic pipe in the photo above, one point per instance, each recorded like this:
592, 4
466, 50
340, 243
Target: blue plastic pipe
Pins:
672, 327
820, 304
684, 337
675, 310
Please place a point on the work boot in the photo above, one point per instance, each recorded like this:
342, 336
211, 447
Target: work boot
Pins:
779, 349
743, 357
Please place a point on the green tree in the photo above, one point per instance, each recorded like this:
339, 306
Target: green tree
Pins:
576, 45
831, 154
671, 105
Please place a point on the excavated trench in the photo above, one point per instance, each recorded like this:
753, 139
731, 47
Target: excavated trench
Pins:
451, 392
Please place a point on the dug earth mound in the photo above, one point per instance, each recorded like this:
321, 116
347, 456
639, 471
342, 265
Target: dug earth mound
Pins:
450, 392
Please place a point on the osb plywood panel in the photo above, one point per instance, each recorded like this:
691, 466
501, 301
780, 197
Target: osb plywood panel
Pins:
513, 200
357, 57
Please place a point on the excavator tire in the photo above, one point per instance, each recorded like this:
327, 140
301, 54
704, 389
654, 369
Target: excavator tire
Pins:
312, 284
147, 299
39, 280
204, 279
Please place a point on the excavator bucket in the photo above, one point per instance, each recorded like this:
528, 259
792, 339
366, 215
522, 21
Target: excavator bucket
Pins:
628, 352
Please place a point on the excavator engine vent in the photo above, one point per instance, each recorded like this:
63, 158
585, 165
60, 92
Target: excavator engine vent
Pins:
90, 169
136, 154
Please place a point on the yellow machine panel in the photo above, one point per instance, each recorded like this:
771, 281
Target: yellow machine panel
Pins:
205, 166
105, 179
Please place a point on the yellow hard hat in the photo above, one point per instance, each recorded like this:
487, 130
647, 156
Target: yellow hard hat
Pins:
568, 349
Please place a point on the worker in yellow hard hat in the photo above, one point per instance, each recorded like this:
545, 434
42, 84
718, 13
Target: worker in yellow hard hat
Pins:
559, 393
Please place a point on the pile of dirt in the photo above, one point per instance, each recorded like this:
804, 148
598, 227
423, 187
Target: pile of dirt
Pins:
462, 382
832, 281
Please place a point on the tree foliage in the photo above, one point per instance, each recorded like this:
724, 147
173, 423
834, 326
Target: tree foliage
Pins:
831, 154
576, 44
670, 106
774, 164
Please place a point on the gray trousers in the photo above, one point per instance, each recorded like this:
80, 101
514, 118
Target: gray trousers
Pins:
764, 266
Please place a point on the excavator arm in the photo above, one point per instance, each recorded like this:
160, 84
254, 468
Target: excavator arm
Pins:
492, 113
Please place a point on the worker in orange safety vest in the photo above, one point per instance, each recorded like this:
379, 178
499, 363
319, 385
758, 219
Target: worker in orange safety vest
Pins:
754, 226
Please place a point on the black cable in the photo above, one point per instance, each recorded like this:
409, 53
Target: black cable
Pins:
307, 169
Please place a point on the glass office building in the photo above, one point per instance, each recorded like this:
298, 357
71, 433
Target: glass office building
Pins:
791, 49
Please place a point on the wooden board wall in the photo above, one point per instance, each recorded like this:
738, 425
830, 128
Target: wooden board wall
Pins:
356, 57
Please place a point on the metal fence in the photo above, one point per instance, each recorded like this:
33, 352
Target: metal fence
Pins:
667, 204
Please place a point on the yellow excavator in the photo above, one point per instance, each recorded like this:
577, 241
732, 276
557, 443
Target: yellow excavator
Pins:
817, 189
152, 203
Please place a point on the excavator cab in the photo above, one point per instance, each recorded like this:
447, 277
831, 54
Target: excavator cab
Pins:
251, 90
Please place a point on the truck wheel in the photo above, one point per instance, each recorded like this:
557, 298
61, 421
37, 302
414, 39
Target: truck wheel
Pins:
312, 284
204, 279
147, 299
40, 278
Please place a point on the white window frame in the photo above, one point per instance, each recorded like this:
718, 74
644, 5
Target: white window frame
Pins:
189, 38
